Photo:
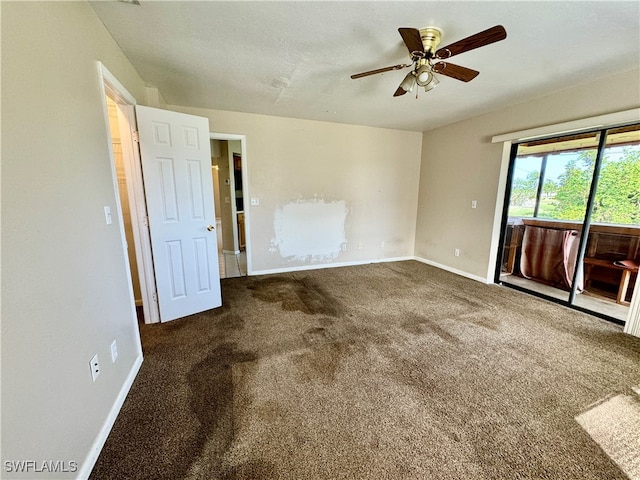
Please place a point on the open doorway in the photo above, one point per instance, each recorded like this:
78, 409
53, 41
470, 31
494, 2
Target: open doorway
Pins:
229, 175
131, 205
125, 206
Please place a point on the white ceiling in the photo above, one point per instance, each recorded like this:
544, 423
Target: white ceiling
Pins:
294, 59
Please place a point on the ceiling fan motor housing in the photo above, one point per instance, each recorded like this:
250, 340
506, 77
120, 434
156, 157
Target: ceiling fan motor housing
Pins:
430, 39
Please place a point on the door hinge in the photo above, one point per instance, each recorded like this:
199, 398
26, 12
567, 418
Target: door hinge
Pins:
145, 221
155, 297
135, 136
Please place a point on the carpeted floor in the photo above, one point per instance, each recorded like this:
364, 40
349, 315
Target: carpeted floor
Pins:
383, 371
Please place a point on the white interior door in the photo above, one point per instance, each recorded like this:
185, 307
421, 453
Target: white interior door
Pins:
176, 166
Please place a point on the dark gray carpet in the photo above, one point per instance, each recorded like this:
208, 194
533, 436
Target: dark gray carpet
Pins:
396, 371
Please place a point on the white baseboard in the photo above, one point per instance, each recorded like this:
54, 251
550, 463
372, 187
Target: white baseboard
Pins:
299, 268
98, 443
462, 273
327, 265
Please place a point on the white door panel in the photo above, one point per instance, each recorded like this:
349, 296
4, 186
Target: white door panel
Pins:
176, 165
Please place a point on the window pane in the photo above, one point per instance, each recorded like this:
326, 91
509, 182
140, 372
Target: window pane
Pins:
613, 247
566, 185
568, 169
524, 187
618, 196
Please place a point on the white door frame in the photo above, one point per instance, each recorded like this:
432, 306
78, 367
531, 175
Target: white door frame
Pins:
245, 193
135, 190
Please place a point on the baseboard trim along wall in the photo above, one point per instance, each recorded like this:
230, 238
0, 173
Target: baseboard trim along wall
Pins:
452, 270
101, 438
327, 265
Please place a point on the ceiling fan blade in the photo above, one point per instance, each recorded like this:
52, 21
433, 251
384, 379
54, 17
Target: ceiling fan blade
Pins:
379, 70
413, 40
455, 71
399, 91
486, 37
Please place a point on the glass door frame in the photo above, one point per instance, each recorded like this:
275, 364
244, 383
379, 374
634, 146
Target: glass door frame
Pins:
586, 224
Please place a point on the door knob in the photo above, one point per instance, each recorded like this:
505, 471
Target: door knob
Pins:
211, 228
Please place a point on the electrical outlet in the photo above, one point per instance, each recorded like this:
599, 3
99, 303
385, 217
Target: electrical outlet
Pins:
474, 204
95, 367
114, 351
359, 246
343, 247
456, 252
381, 244
255, 201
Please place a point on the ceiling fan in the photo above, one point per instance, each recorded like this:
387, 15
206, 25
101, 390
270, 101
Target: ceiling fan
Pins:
426, 57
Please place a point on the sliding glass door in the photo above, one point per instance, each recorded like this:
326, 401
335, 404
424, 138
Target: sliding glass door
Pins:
571, 225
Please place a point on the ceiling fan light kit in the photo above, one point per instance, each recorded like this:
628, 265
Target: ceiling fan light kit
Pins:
408, 82
426, 57
432, 84
424, 75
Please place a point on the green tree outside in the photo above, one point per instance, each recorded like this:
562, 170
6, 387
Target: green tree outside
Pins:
617, 199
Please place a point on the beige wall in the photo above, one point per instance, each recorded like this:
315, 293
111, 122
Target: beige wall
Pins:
460, 164
318, 181
65, 286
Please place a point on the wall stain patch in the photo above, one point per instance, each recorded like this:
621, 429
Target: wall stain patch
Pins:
311, 231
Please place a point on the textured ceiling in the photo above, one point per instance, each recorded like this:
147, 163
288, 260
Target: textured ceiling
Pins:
294, 59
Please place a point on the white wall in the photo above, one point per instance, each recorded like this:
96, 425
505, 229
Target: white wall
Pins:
65, 286
323, 184
460, 164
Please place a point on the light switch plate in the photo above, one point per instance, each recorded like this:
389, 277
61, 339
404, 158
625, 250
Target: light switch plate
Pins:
107, 215
114, 351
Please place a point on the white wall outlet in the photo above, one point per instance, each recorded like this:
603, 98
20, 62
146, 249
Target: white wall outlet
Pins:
95, 367
474, 204
359, 246
343, 247
456, 252
382, 244
255, 201
107, 215
114, 351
